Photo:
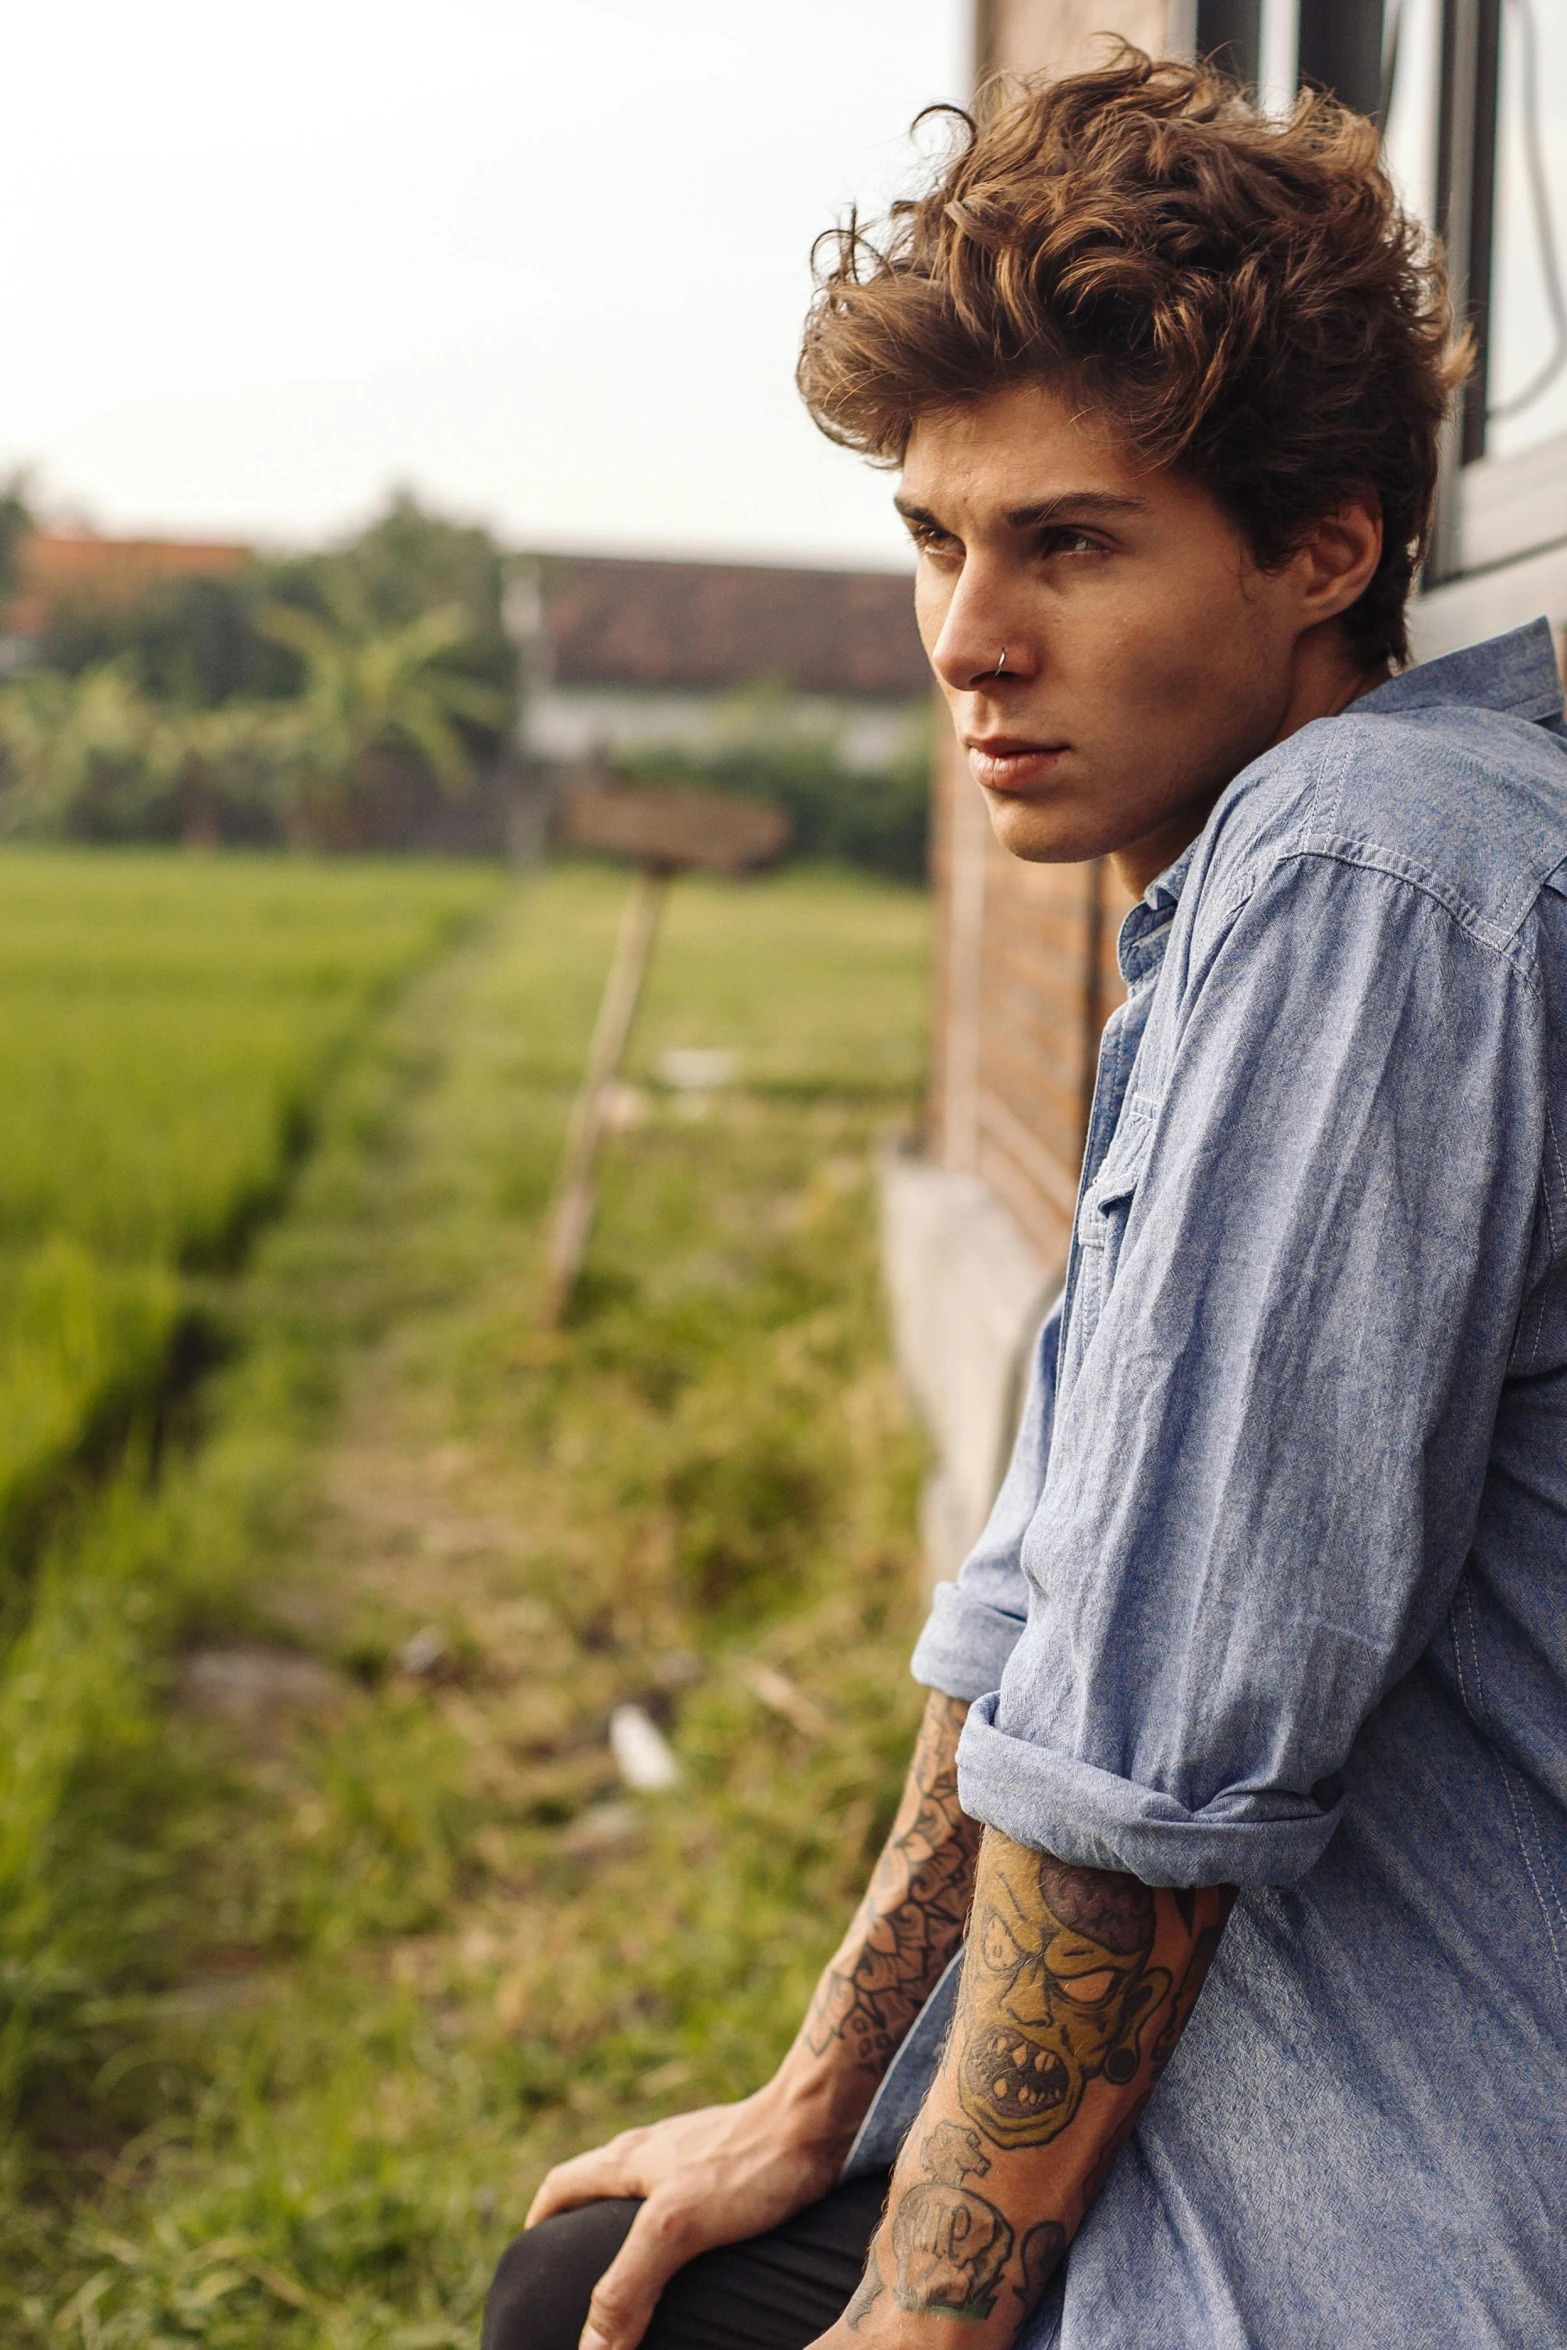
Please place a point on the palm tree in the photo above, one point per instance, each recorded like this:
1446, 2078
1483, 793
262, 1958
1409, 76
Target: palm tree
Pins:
93, 754
369, 691
82, 753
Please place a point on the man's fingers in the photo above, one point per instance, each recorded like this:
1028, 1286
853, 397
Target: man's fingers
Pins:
663, 2237
587, 2178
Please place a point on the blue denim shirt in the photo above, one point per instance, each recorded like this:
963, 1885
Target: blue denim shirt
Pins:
1275, 1594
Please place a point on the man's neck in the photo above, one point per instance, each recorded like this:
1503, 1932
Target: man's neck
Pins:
1326, 675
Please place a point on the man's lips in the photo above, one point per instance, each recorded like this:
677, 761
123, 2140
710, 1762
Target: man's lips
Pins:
1002, 762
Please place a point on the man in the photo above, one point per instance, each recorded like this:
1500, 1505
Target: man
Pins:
1267, 1624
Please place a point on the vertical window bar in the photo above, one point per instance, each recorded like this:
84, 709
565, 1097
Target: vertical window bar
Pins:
1466, 184
1229, 35
1465, 211
987, 41
1341, 51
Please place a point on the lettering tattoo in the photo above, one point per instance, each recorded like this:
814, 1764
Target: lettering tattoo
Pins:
950, 2247
1057, 1988
915, 1908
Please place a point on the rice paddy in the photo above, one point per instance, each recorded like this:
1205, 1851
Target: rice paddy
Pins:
325, 1919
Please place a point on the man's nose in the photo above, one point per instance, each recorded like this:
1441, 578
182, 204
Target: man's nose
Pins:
983, 638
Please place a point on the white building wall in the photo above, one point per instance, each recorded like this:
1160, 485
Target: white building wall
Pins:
570, 724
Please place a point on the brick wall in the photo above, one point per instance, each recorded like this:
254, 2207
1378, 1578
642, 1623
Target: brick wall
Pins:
1025, 978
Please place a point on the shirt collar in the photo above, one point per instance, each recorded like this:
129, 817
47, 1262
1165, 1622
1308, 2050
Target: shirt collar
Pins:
1140, 946
1516, 673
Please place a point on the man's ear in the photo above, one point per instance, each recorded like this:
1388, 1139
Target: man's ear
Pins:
1148, 1992
1340, 558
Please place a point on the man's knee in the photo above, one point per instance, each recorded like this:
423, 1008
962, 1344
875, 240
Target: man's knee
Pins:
538, 2299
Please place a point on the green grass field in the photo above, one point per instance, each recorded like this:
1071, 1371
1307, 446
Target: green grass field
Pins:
296, 2002
166, 1029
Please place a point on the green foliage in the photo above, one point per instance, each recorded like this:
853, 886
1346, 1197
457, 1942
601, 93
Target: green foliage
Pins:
16, 520
262, 701
371, 685
93, 757
874, 817
166, 1029
81, 1343
295, 2025
409, 562
203, 641
191, 642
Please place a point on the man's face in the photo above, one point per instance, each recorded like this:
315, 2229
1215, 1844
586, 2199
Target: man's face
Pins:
1147, 658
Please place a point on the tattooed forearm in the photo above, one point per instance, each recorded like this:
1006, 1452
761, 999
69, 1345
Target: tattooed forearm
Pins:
1077, 1983
912, 1917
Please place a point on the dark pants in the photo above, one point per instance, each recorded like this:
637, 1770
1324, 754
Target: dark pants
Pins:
776, 2292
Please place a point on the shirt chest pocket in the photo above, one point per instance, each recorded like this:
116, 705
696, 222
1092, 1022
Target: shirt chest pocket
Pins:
1106, 1208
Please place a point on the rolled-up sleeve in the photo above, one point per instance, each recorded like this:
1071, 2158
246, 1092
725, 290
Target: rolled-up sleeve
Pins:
974, 1623
1272, 1430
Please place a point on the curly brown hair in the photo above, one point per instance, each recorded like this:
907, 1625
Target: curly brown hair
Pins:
1242, 297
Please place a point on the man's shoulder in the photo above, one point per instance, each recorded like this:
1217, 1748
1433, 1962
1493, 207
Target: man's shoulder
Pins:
1466, 803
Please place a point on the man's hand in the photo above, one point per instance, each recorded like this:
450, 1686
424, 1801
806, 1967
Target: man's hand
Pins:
706, 2178
732, 2171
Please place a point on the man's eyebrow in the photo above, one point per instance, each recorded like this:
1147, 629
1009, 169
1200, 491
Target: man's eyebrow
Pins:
1066, 506
1073, 506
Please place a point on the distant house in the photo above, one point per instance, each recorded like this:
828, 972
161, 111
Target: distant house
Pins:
623, 654
70, 571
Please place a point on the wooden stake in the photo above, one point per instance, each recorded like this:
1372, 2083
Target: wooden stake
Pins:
572, 1217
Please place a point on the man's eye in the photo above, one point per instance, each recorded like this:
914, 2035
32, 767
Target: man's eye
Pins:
1088, 1989
933, 542
1066, 541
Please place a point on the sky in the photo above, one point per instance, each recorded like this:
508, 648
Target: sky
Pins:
545, 263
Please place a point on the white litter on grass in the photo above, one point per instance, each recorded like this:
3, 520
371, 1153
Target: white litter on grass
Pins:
691, 1069
643, 1755
424, 1651
603, 1827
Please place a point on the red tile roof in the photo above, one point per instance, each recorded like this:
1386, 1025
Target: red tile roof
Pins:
70, 567
707, 626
